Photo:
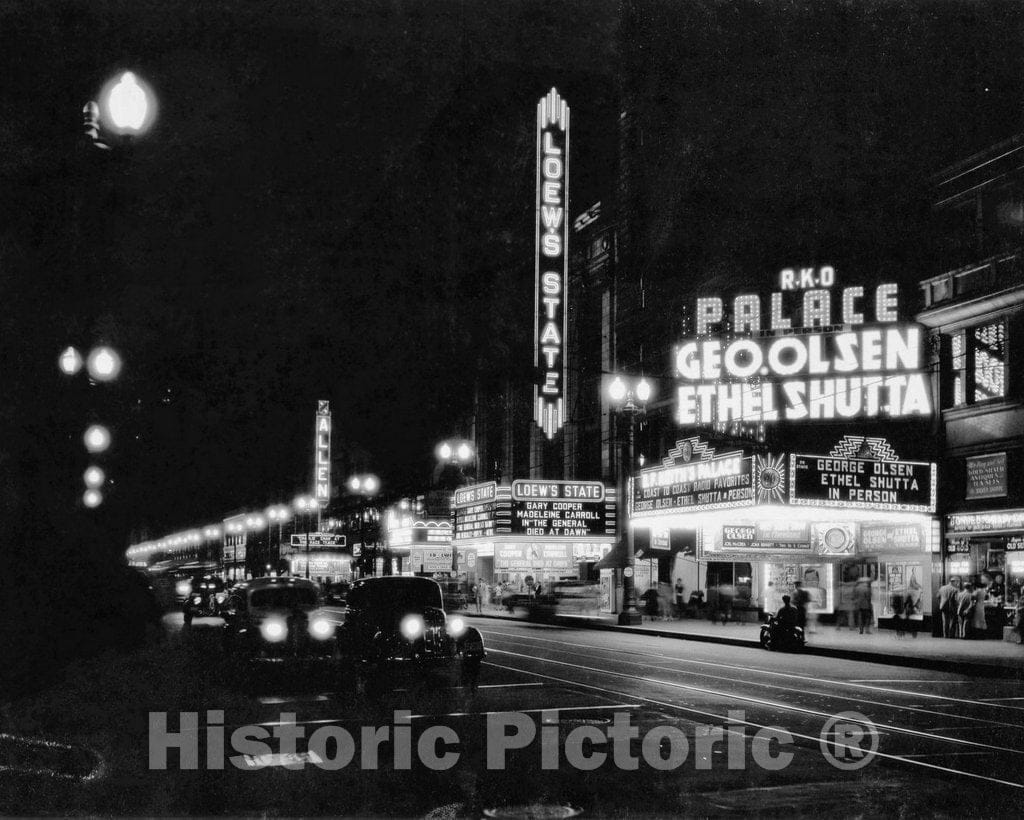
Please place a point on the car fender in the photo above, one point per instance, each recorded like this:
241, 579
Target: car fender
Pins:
470, 644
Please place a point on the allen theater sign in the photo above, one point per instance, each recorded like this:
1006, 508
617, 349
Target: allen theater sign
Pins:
551, 260
806, 353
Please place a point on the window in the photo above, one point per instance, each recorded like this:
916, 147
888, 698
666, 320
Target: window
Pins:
977, 364
736, 575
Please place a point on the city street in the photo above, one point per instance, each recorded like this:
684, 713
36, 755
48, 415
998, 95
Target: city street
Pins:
946, 744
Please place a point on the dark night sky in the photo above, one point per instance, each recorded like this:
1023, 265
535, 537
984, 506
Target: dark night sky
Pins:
336, 201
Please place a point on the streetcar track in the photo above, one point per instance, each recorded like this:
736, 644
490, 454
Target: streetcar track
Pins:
797, 691
831, 681
719, 718
766, 703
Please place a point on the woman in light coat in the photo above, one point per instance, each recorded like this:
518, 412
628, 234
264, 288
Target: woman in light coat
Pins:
978, 625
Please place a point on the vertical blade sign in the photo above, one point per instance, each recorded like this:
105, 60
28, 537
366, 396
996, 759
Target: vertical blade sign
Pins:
552, 260
322, 454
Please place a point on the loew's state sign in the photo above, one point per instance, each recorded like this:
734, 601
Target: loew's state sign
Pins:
562, 509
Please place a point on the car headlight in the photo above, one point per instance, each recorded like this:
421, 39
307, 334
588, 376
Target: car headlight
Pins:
321, 628
412, 627
273, 630
197, 600
221, 597
456, 626
183, 588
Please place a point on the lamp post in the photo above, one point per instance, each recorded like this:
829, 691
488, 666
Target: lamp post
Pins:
305, 504
629, 397
460, 453
277, 514
365, 485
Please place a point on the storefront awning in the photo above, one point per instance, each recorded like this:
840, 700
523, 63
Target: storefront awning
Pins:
615, 559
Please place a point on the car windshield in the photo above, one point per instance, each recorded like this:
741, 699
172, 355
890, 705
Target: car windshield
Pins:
283, 598
410, 594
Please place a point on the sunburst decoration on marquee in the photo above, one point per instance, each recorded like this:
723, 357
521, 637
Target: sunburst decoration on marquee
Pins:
770, 479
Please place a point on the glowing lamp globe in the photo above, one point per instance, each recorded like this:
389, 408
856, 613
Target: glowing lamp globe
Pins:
104, 364
70, 361
129, 104
617, 389
97, 438
92, 498
94, 477
643, 390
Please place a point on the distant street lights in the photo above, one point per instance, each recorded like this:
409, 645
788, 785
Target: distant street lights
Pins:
629, 397
365, 485
96, 438
306, 505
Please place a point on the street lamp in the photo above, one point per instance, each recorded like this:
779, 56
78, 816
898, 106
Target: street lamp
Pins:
97, 438
127, 108
306, 505
365, 485
277, 514
460, 453
103, 364
629, 397
70, 361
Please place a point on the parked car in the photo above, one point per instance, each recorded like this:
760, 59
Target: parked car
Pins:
278, 618
397, 627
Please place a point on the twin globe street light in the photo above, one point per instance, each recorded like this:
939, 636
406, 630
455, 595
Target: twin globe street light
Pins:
365, 485
460, 453
629, 396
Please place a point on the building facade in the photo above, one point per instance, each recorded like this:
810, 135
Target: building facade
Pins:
975, 314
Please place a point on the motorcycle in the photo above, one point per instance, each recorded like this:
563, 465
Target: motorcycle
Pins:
775, 636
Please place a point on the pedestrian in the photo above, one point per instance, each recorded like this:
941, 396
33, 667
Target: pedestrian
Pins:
478, 594
964, 610
862, 604
978, 624
947, 607
898, 615
679, 601
650, 599
800, 598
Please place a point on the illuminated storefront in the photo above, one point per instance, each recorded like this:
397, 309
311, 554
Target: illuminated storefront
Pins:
532, 531
831, 390
763, 522
422, 544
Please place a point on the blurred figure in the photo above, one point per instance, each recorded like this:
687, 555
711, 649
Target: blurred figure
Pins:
847, 609
723, 604
862, 604
800, 600
978, 624
650, 599
678, 591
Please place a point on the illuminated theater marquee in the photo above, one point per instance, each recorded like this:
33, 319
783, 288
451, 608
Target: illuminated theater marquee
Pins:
551, 260
832, 365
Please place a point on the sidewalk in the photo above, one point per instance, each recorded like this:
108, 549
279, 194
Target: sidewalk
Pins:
990, 658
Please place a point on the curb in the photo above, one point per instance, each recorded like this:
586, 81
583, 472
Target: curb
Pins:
962, 667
